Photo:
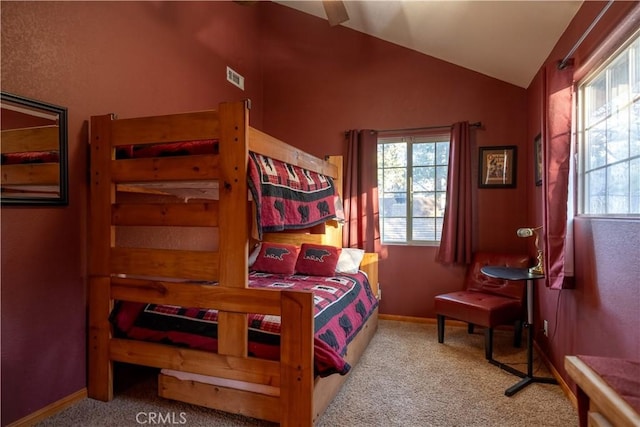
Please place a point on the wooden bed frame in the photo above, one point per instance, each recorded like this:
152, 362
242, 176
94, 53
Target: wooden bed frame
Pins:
31, 177
130, 274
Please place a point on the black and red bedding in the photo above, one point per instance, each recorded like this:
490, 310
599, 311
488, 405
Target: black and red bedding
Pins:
289, 197
342, 305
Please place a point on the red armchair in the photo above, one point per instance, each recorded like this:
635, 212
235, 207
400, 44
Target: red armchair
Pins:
486, 301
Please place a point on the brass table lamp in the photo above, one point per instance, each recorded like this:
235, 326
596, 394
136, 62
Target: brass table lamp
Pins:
528, 232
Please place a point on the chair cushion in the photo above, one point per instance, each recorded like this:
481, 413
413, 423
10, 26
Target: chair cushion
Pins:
478, 308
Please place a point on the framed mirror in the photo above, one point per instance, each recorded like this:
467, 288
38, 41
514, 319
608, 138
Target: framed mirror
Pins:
33, 143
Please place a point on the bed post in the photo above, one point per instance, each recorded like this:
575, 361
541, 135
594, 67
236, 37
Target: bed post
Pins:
296, 359
334, 234
234, 230
101, 239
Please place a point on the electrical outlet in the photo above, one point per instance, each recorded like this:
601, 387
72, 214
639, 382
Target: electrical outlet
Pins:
545, 328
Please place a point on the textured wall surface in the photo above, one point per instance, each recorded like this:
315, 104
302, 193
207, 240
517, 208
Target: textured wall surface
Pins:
128, 58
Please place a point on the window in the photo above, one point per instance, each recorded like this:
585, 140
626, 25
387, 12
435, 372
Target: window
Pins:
412, 186
609, 136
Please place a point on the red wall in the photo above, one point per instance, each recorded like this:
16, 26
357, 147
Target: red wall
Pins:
128, 58
601, 316
324, 80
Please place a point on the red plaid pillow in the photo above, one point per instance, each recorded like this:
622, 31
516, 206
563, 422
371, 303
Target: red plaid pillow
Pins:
317, 260
277, 258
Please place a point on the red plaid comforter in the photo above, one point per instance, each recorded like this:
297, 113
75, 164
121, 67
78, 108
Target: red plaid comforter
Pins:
289, 197
342, 306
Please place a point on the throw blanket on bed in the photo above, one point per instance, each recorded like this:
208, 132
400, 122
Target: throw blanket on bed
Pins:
289, 197
342, 306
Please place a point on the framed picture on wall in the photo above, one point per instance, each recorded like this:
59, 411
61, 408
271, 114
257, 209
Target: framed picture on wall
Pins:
537, 156
497, 167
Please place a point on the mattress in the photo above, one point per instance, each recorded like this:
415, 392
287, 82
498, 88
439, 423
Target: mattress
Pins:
342, 305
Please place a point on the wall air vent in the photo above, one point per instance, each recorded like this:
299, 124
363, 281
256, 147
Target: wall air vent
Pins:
235, 78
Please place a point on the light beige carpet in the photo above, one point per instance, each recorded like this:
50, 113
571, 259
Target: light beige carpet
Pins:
405, 378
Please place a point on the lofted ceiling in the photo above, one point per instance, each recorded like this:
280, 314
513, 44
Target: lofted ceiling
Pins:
507, 40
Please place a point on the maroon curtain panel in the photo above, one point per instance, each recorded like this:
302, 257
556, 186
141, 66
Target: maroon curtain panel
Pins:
360, 194
456, 240
556, 161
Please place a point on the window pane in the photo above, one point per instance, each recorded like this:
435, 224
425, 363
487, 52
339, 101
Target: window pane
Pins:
424, 179
424, 154
441, 202
420, 161
441, 178
610, 148
439, 223
394, 229
424, 205
394, 205
634, 52
597, 146
634, 186
617, 187
596, 100
634, 129
394, 179
620, 82
596, 192
442, 153
618, 136
394, 155
424, 229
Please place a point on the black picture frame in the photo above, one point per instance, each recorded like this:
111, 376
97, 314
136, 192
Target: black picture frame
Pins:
497, 166
23, 109
537, 159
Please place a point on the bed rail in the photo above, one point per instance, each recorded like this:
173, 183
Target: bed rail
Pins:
195, 126
42, 138
31, 174
269, 146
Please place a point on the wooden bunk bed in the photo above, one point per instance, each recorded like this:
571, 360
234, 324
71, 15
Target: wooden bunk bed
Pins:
30, 161
174, 276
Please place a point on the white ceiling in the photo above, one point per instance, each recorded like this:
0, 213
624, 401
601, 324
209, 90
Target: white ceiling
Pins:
508, 40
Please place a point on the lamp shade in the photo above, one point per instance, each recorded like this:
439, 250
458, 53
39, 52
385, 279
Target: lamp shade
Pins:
525, 232
528, 232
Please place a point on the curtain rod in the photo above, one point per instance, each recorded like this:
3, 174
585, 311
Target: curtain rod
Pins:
562, 64
476, 124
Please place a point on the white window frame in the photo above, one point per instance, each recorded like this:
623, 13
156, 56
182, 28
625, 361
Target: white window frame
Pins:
585, 126
439, 190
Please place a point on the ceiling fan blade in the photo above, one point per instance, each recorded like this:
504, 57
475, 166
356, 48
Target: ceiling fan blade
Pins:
336, 11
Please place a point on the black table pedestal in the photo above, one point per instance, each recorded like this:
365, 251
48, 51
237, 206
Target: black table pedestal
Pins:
510, 273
